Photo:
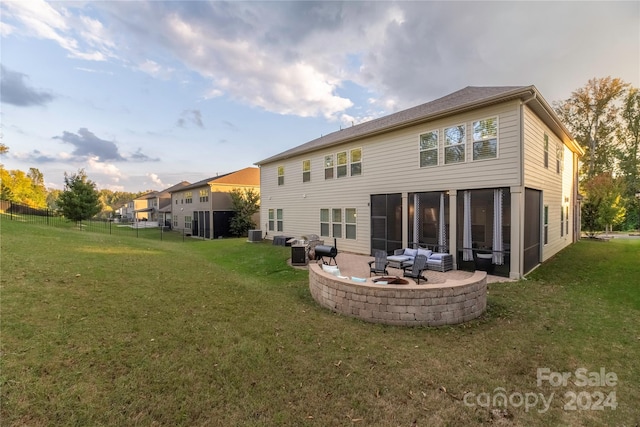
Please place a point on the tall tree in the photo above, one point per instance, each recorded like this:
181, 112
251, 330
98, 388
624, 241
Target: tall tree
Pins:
629, 136
79, 200
245, 204
604, 198
591, 114
19, 187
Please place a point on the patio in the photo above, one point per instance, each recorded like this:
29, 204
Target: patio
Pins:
445, 299
357, 265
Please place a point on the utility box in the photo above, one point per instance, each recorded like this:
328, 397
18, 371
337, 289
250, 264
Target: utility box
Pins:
255, 235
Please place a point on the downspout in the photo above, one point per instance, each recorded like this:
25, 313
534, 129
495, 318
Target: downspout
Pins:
522, 189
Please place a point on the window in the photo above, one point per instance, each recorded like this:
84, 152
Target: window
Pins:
429, 149
561, 221
546, 151
328, 167
271, 219
188, 197
350, 223
176, 201
187, 222
356, 161
546, 224
342, 164
454, 143
280, 175
566, 219
279, 223
204, 196
175, 221
306, 170
336, 219
485, 139
324, 222
559, 158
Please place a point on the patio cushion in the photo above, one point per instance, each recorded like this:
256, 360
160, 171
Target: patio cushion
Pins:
425, 252
410, 252
358, 279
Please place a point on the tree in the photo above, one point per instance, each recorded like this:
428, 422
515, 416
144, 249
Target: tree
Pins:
245, 204
79, 200
604, 207
591, 114
18, 187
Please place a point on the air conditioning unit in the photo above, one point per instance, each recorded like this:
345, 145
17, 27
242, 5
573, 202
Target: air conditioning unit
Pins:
255, 235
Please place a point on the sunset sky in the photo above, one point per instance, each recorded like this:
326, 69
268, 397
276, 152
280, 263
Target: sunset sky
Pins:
144, 94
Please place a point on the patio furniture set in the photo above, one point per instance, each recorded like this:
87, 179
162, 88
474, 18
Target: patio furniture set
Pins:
413, 262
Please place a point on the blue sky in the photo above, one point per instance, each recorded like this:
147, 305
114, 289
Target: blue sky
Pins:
145, 94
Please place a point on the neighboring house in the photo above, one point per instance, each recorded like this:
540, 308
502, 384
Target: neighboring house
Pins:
204, 208
125, 212
155, 205
483, 168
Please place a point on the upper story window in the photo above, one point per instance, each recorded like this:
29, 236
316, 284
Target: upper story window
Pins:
280, 175
546, 151
328, 166
306, 170
342, 164
559, 158
485, 139
204, 195
454, 144
429, 149
356, 161
188, 197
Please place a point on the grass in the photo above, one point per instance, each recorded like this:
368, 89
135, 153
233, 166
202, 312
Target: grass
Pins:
109, 330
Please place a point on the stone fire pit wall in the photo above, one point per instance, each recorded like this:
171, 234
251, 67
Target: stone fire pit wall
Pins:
449, 303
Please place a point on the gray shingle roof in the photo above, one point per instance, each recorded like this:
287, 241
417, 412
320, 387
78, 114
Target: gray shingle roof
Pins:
467, 98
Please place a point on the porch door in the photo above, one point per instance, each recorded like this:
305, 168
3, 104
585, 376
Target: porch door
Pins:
386, 222
532, 227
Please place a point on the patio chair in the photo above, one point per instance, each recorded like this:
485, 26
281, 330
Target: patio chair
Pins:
379, 265
415, 271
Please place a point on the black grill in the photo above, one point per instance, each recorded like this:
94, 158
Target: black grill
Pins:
324, 251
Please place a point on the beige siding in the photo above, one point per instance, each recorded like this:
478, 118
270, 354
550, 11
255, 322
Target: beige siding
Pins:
390, 164
557, 188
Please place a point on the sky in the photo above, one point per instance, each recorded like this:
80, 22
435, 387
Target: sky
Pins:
145, 94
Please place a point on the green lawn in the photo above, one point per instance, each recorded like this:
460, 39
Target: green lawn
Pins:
100, 329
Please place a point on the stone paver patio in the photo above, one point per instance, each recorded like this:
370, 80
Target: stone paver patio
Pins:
357, 265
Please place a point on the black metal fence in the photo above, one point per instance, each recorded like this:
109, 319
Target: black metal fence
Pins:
21, 213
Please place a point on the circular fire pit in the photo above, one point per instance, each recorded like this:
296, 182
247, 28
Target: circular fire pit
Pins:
409, 304
390, 280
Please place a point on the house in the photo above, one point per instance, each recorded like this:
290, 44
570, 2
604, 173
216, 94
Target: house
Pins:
154, 206
204, 208
483, 169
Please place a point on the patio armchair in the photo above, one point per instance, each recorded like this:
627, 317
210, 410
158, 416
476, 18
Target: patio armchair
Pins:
415, 270
379, 265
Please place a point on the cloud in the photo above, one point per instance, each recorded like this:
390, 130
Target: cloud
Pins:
138, 156
15, 91
190, 116
156, 179
88, 144
83, 37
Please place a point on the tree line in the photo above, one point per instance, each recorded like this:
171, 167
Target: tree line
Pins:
604, 118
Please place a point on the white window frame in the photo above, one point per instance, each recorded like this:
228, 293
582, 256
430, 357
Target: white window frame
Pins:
279, 220
354, 163
350, 225
329, 164
483, 138
325, 220
306, 170
280, 175
423, 148
463, 144
342, 166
